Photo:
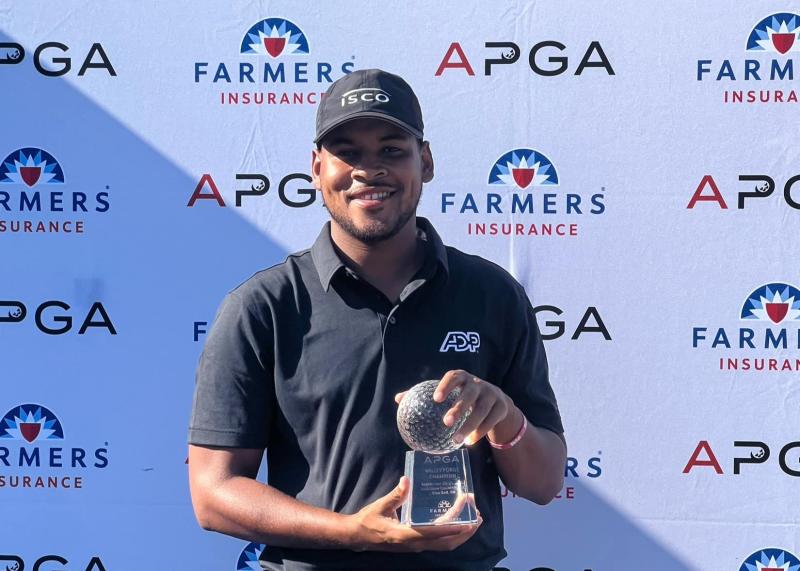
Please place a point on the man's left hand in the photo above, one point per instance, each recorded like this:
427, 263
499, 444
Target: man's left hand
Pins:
492, 411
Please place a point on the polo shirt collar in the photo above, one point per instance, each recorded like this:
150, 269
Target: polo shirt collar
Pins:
327, 261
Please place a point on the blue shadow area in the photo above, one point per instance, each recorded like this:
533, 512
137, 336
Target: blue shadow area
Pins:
155, 265
584, 533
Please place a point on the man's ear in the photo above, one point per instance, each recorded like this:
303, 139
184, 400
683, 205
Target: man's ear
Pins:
427, 162
316, 165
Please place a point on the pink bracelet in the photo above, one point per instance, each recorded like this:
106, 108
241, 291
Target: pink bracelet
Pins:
514, 440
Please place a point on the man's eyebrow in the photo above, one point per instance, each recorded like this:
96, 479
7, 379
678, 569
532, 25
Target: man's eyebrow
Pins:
343, 140
394, 137
340, 141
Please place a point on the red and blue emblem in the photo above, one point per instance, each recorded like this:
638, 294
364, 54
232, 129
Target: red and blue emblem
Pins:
775, 302
776, 33
248, 559
30, 422
771, 560
31, 166
522, 168
274, 37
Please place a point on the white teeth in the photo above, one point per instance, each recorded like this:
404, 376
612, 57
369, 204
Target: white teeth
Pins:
375, 196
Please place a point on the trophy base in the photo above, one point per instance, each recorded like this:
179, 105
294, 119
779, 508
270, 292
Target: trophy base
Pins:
441, 489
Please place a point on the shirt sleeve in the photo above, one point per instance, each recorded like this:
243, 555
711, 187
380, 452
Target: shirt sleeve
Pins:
527, 379
234, 398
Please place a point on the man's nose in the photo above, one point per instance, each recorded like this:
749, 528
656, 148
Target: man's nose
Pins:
368, 169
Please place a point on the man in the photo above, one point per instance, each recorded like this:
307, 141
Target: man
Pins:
308, 360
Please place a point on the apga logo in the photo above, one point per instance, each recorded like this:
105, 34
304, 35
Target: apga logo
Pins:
775, 303
31, 166
31, 438
708, 191
771, 560
33, 179
59, 63
285, 46
546, 58
291, 191
777, 34
275, 37
31, 422
248, 559
522, 168
522, 179
756, 452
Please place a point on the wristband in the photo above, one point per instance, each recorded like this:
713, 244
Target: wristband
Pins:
513, 442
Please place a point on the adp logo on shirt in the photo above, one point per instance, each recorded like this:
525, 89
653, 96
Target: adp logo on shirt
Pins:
461, 341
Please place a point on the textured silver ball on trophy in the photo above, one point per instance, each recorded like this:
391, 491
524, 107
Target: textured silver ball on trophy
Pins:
420, 419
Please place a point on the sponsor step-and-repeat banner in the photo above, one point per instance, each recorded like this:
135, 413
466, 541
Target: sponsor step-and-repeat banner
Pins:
634, 165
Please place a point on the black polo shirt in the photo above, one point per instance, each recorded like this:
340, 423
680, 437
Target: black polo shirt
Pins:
304, 359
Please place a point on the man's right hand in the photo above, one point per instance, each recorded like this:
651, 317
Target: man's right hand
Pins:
377, 528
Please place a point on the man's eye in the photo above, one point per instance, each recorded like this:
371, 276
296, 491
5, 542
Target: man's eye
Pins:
392, 150
346, 153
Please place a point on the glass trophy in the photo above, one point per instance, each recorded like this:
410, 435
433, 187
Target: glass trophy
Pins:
438, 468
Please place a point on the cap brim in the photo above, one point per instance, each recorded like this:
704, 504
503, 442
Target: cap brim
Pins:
368, 115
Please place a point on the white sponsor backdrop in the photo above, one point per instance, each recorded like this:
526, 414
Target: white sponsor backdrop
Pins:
635, 406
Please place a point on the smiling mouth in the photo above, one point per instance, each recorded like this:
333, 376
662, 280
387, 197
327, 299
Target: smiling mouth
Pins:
374, 196
370, 195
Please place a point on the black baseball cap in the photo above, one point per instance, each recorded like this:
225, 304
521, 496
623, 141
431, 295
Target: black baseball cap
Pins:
369, 93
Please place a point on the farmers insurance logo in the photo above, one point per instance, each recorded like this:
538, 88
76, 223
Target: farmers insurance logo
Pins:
771, 560
248, 559
274, 37
32, 199
31, 423
768, 306
31, 166
524, 181
31, 437
770, 47
274, 55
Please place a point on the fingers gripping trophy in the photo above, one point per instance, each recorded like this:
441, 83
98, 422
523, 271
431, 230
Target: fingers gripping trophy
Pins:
437, 466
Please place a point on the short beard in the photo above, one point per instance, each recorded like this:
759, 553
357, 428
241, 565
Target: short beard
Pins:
374, 232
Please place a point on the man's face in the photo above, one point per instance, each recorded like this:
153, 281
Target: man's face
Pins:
370, 173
